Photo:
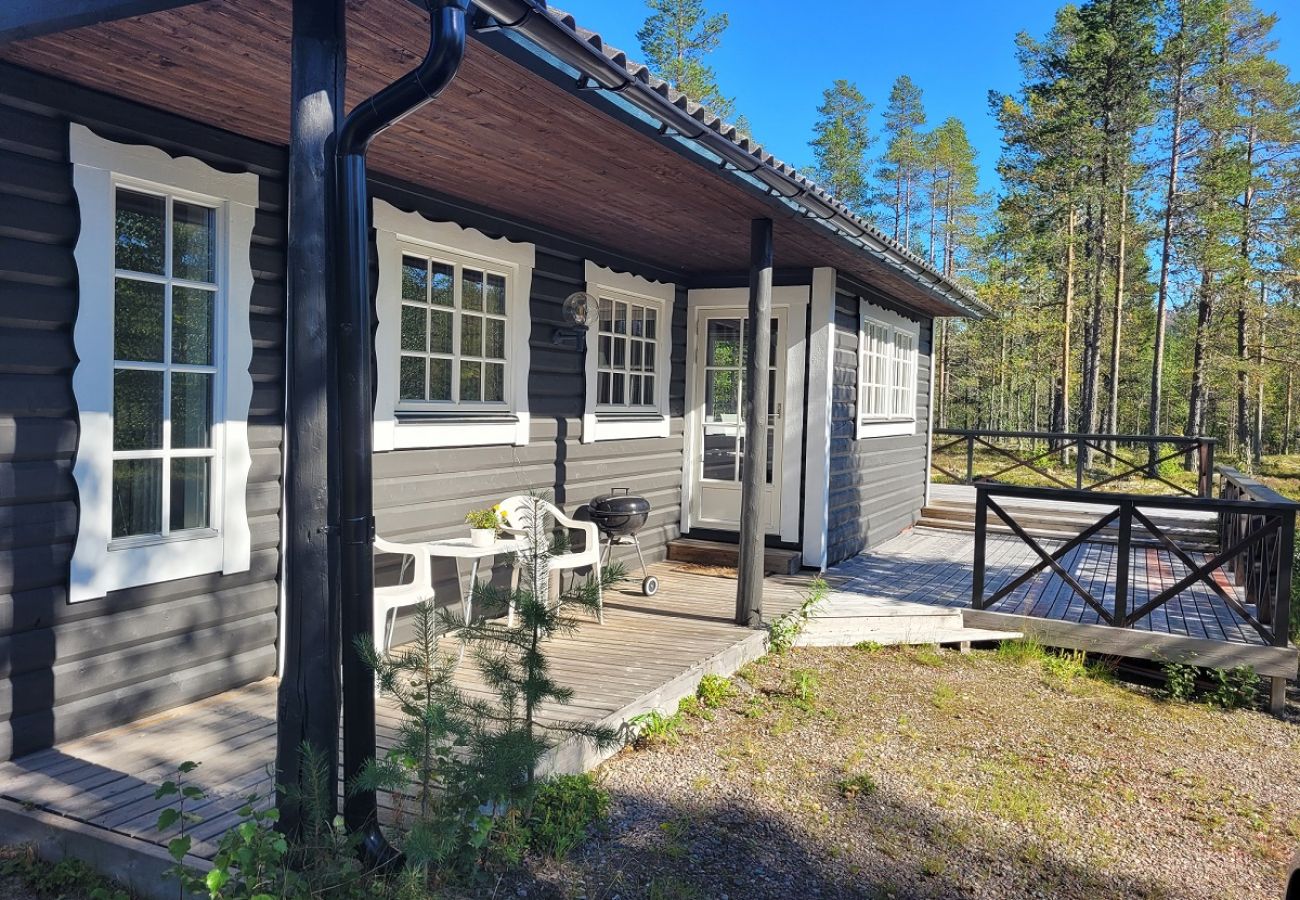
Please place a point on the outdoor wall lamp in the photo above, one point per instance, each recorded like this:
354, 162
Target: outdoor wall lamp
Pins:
577, 313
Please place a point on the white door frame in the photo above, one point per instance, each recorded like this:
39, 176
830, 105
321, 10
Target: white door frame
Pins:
795, 302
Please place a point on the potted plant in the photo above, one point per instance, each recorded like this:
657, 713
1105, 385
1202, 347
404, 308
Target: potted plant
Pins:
483, 525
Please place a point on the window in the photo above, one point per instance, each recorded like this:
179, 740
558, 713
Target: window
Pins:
629, 350
887, 348
453, 333
452, 341
165, 300
627, 344
162, 386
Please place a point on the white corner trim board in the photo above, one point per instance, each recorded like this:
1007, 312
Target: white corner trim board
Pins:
597, 426
98, 166
821, 375
458, 426
891, 426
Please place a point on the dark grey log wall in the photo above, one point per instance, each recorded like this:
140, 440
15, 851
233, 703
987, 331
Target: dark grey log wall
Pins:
424, 494
877, 485
69, 669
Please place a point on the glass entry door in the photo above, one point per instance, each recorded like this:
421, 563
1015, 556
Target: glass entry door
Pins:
724, 342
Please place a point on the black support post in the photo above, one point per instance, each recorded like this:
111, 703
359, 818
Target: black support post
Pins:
749, 583
308, 706
981, 537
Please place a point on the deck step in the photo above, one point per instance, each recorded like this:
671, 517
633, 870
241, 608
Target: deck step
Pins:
716, 553
845, 618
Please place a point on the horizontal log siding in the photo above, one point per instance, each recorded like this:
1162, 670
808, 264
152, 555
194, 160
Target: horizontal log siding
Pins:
424, 494
877, 485
70, 669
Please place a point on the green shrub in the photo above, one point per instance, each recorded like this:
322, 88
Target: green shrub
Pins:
782, 633
1235, 688
803, 687
859, 785
65, 878
565, 811
655, 728
714, 690
1180, 681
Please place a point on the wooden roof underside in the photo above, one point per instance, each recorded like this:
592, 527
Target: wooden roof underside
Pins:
500, 136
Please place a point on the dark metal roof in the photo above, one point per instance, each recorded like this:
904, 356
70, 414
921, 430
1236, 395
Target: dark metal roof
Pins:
736, 148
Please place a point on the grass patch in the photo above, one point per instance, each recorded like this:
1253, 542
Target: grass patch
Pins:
854, 786
68, 879
655, 728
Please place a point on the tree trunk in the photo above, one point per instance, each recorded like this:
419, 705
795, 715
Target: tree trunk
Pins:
1092, 336
1257, 424
942, 375
1166, 250
1196, 401
1243, 353
1288, 420
1112, 414
1062, 401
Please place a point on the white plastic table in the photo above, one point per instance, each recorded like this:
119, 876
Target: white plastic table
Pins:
463, 548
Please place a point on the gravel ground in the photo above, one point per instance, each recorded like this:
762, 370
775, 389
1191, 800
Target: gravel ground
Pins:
923, 773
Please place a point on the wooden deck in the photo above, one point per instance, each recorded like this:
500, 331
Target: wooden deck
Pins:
933, 566
649, 653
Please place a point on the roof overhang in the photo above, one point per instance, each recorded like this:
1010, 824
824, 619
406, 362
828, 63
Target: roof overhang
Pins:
516, 132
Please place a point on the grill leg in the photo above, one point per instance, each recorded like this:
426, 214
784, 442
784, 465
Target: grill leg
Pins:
636, 542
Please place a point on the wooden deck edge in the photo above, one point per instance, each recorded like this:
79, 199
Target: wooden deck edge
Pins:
137, 864
575, 755
1278, 662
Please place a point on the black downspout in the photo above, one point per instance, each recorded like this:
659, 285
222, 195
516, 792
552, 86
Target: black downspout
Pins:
352, 320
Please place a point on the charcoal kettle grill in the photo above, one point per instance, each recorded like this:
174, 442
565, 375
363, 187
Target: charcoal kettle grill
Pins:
620, 515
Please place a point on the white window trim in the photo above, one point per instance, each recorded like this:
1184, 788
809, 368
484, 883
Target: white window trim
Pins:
888, 425
612, 425
98, 165
463, 427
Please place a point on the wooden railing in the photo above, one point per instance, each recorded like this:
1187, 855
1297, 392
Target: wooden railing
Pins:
1033, 451
1256, 549
1266, 571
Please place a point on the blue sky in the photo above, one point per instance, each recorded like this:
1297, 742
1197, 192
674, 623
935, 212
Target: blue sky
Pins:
777, 57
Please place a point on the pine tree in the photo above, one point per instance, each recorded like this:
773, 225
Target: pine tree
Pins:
675, 39
904, 153
841, 141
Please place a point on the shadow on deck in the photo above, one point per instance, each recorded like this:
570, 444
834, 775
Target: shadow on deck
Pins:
93, 797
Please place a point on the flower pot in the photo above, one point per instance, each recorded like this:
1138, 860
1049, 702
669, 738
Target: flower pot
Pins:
482, 537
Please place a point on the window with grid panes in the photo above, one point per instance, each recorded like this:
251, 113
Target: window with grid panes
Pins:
453, 333
875, 370
165, 363
627, 344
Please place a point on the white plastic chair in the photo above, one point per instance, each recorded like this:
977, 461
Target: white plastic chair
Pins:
518, 509
388, 600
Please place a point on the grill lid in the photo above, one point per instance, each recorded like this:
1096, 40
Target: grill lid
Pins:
619, 502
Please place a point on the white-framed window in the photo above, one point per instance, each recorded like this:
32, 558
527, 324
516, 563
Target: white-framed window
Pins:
887, 363
629, 356
452, 341
162, 386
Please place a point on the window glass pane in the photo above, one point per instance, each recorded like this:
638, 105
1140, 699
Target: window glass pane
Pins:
194, 242
138, 320
651, 316
496, 295
471, 296
771, 355
495, 344
471, 381
494, 382
414, 332
606, 315
441, 285
137, 409
439, 331
648, 359
141, 239
618, 389
638, 321
649, 398
620, 318
415, 279
412, 378
620, 352
720, 454
721, 397
439, 379
191, 409
604, 350
137, 497
190, 494
471, 335
602, 387
635, 363
771, 452
192, 326
723, 343
634, 390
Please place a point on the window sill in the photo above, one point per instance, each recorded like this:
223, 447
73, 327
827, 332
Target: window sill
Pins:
886, 428
608, 425
139, 564
428, 430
